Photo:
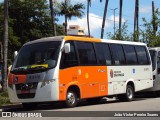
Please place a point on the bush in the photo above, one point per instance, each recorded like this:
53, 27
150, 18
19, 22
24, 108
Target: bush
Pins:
4, 99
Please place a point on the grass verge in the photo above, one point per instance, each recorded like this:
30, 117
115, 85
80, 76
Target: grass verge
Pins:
4, 99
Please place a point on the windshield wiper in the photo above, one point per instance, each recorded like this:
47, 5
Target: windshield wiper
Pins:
39, 66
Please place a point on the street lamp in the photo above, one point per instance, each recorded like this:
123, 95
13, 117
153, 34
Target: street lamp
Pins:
114, 19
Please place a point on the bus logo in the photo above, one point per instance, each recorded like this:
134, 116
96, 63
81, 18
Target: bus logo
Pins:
111, 73
16, 79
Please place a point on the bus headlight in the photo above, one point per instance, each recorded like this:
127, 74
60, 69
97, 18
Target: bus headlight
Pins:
46, 82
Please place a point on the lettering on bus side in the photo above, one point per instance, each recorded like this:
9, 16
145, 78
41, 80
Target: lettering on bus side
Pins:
116, 73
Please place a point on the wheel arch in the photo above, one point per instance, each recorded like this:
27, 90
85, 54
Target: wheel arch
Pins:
75, 88
131, 83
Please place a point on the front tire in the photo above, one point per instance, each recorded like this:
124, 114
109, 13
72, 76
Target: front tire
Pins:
71, 99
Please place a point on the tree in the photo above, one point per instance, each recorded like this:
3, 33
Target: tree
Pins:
124, 34
5, 46
52, 17
154, 18
27, 21
136, 23
68, 10
120, 16
88, 4
104, 18
31, 19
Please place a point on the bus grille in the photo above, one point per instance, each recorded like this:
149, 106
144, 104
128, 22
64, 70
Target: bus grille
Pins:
26, 90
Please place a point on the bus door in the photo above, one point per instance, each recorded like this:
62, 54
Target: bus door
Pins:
158, 70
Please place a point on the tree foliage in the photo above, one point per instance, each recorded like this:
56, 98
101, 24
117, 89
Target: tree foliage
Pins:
120, 36
68, 10
147, 34
28, 20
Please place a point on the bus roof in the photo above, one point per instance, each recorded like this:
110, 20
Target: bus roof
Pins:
155, 48
87, 39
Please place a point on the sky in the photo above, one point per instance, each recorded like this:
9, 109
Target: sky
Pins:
96, 15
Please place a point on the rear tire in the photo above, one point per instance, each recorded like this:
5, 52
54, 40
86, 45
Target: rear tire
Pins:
71, 99
128, 96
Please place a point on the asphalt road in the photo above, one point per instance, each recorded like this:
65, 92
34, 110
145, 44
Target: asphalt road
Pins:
94, 111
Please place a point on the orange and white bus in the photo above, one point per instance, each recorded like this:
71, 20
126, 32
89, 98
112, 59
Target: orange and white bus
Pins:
69, 68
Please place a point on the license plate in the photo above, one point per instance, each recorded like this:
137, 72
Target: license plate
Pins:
24, 91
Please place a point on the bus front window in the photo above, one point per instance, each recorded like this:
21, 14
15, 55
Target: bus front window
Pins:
37, 56
153, 58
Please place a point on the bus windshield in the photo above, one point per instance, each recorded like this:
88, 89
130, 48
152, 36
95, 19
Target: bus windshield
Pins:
37, 56
153, 57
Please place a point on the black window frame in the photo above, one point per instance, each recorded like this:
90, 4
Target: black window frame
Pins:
107, 44
147, 55
112, 55
74, 45
96, 64
134, 51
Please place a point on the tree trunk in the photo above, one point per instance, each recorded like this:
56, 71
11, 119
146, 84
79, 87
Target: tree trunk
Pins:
52, 17
5, 46
136, 23
138, 17
88, 2
153, 19
65, 25
104, 19
120, 17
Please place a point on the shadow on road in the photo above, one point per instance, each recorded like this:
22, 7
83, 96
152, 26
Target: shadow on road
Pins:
59, 105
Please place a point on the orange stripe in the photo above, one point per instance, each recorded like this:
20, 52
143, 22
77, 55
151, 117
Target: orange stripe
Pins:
21, 79
87, 39
91, 80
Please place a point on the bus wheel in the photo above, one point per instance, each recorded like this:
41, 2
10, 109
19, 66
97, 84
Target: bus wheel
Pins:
71, 99
128, 96
129, 93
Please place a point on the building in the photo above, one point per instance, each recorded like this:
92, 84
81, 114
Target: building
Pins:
75, 30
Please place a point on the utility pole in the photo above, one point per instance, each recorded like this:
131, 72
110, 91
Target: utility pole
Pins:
114, 19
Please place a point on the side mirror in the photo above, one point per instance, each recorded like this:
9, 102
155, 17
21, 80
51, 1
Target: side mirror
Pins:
67, 48
15, 54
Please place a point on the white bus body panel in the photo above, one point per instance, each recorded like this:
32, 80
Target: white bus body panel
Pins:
42, 94
139, 75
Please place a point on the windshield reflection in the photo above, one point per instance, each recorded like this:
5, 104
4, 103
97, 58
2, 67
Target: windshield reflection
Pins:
37, 56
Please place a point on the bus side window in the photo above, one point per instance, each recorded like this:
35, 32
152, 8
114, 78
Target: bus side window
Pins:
69, 59
142, 55
86, 53
118, 54
130, 54
103, 54
158, 63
